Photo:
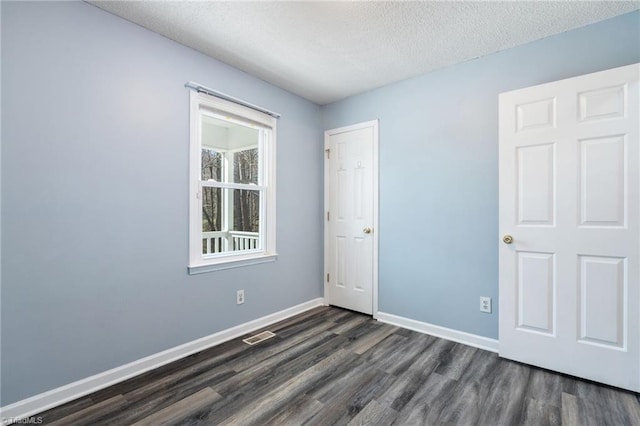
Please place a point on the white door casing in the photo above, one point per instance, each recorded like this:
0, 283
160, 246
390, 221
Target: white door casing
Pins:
351, 217
569, 197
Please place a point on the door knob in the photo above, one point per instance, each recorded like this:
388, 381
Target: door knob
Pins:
367, 230
507, 239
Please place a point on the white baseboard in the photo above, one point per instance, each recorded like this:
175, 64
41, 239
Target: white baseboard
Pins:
435, 330
55, 397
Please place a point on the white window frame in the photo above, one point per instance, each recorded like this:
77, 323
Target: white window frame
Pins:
198, 263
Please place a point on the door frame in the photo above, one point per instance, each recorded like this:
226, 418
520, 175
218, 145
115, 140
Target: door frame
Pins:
374, 124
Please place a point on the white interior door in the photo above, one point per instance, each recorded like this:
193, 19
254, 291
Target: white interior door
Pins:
569, 180
351, 216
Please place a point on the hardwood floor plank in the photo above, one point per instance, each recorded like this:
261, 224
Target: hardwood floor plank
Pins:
464, 407
621, 405
197, 374
355, 372
286, 372
422, 407
506, 395
272, 401
181, 409
407, 384
56, 413
407, 353
588, 411
583, 412
329, 380
545, 386
627, 404
274, 377
374, 414
284, 364
340, 315
570, 411
312, 313
301, 327
482, 370
344, 326
89, 414
323, 312
298, 412
378, 385
281, 345
361, 330
351, 396
215, 355
386, 348
457, 361
537, 413
333, 366
139, 409
408, 333
208, 358
371, 339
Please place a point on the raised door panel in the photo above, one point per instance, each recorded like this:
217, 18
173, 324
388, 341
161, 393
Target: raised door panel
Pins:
603, 103
342, 187
536, 185
603, 192
536, 292
539, 114
602, 300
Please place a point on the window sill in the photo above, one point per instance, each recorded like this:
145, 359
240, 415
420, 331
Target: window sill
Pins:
235, 262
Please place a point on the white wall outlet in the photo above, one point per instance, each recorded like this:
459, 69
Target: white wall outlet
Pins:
240, 297
485, 304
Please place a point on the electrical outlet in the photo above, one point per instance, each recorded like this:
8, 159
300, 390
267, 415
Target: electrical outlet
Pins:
485, 304
240, 297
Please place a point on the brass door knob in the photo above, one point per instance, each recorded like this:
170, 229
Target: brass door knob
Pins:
367, 230
507, 239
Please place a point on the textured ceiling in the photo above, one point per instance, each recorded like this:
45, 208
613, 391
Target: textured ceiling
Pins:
325, 51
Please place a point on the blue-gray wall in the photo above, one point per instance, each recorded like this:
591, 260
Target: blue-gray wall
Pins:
95, 134
439, 169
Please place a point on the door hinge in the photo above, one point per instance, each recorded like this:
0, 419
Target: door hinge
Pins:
327, 277
328, 216
328, 151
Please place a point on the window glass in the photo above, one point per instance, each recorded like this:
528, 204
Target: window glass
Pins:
233, 208
230, 220
230, 151
246, 166
211, 164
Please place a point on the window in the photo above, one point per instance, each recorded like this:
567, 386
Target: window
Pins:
232, 188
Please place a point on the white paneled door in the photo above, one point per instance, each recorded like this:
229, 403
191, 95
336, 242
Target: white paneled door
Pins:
351, 216
569, 225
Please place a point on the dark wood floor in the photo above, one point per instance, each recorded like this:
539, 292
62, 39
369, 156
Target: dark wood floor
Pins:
331, 366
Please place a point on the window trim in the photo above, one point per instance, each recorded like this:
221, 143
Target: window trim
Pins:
197, 262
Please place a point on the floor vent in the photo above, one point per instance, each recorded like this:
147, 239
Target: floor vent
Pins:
259, 338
